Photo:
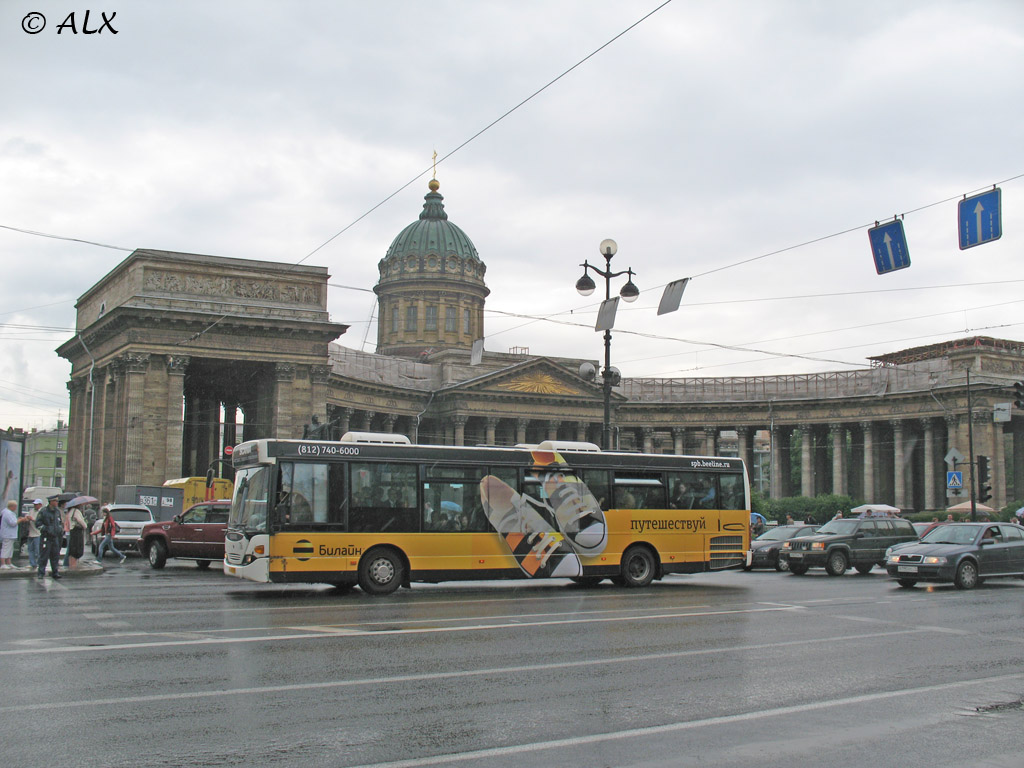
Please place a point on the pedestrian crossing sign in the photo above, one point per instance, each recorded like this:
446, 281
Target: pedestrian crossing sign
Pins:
954, 480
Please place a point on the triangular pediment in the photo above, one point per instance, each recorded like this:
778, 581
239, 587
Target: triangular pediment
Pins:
538, 376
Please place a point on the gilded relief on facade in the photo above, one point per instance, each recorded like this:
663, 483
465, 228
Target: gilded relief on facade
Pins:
538, 383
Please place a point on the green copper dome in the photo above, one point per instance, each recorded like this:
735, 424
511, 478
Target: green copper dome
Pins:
432, 234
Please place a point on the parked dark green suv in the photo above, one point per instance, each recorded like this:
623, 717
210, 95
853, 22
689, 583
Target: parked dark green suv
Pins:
844, 542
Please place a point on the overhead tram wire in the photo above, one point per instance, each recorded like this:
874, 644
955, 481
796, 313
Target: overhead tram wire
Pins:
485, 129
536, 319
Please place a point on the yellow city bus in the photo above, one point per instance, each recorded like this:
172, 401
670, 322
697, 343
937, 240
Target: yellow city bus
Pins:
377, 511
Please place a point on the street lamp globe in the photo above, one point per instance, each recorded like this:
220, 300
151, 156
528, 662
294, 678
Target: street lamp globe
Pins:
608, 248
629, 291
585, 285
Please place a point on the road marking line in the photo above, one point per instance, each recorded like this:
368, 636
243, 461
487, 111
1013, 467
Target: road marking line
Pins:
340, 632
451, 675
688, 725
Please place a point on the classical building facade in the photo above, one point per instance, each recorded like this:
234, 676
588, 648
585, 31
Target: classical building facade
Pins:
46, 455
177, 356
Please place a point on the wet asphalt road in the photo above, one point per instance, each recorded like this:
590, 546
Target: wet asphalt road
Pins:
182, 667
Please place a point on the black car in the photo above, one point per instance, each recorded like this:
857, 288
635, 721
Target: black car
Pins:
840, 543
962, 553
764, 550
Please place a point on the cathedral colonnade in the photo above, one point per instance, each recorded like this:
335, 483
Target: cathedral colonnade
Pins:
179, 356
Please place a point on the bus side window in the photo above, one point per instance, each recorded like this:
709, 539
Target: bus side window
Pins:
732, 491
624, 498
596, 481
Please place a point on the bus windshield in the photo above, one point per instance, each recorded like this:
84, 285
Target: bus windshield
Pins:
249, 504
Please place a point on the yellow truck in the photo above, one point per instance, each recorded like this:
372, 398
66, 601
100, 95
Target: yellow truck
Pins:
195, 489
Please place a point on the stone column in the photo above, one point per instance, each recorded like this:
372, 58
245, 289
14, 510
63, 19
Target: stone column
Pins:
344, 418
581, 431
648, 439
679, 440
806, 461
136, 366
780, 462
710, 446
553, 429
490, 428
77, 473
869, 461
838, 459
521, 425
319, 386
174, 439
460, 429
367, 420
745, 447
930, 476
899, 466
281, 416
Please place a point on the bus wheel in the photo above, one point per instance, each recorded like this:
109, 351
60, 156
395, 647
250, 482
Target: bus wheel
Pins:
587, 581
637, 567
202, 565
381, 571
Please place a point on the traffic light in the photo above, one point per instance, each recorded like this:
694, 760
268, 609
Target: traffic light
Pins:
984, 488
1018, 394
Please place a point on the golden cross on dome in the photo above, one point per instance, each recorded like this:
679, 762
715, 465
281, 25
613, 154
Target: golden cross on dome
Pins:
435, 164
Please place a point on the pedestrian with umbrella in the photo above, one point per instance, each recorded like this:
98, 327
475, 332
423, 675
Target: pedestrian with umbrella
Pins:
75, 525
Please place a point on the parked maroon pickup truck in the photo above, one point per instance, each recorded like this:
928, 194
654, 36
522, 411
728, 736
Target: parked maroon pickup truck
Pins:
196, 534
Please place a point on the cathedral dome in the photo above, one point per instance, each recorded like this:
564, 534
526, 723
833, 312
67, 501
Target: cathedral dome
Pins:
431, 289
432, 233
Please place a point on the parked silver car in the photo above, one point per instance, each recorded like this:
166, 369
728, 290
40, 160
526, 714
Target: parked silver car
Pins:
130, 519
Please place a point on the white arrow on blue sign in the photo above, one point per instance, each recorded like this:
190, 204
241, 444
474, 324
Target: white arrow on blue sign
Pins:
980, 218
889, 247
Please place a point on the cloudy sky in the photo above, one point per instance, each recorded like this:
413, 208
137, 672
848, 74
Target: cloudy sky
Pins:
747, 145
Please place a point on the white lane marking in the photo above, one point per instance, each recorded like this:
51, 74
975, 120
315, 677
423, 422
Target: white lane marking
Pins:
688, 725
302, 635
450, 675
79, 639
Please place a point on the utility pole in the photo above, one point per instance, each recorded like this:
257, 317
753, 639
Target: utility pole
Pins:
970, 449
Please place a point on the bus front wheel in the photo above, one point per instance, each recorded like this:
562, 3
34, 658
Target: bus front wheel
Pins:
381, 571
638, 567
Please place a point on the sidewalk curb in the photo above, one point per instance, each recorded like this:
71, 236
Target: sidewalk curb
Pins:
84, 569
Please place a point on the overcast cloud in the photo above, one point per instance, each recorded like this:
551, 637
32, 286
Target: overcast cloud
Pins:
709, 135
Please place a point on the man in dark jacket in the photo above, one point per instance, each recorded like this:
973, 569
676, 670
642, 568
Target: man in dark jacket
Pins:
51, 532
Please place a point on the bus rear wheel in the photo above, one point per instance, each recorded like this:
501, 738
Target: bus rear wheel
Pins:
638, 567
381, 571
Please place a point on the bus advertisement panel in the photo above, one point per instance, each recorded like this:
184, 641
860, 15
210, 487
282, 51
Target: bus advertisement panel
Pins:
387, 515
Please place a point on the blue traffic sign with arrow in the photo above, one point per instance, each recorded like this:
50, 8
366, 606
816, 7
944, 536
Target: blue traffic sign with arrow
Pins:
979, 218
889, 247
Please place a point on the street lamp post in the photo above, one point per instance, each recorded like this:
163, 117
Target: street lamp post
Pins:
585, 285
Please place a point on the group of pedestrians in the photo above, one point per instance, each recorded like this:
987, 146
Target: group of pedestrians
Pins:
47, 528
